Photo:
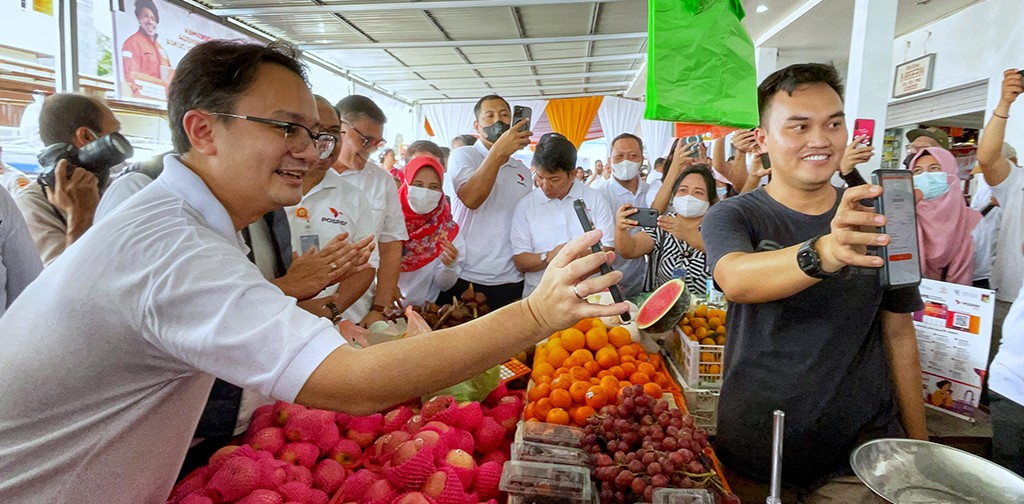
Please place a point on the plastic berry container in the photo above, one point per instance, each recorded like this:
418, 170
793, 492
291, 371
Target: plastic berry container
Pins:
526, 451
540, 483
549, 434
682, 496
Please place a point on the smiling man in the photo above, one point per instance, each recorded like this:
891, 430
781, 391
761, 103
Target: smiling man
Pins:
820, 339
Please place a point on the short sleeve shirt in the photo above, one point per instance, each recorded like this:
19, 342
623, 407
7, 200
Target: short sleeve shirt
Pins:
540, 224
382, 195
634, 271
487, 229
817, 355
1008, 264
670, 255
46, 223
110, 354
19, 259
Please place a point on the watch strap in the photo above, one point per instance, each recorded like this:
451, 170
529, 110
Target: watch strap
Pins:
810, 261
377, 308
335, 312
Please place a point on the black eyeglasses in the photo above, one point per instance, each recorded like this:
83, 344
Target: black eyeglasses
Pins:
368, 141
323, 142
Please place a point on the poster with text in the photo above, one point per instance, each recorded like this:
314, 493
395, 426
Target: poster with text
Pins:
150, 38
954, 332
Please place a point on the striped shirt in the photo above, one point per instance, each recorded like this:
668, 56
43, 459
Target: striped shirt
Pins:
669, 255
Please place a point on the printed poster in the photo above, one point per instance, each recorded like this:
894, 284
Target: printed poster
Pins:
954, 332
150, 38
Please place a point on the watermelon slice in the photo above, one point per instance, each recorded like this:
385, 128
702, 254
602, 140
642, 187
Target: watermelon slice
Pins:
665, 308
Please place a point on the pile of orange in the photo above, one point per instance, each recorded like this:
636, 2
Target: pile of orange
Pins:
706, 326
583, 368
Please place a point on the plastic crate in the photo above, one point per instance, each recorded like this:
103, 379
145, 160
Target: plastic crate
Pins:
697, 361
703, 407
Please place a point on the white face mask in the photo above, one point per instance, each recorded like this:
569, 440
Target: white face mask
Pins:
423, 200
689, 206
625, 170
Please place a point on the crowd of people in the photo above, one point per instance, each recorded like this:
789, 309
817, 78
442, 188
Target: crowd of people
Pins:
147, 317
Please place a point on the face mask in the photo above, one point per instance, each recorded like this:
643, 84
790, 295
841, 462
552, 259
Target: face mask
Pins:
626, 170
423, 200
494, 131
722, 191
932, 184
689, 206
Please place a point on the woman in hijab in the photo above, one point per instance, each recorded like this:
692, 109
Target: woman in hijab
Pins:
431, 261
944, 221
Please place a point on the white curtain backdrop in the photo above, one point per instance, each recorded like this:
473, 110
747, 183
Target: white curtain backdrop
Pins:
449, 120
657, 137
618, 116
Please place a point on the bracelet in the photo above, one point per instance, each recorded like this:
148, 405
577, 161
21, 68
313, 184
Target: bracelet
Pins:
377, 308
1001, 117
335, 312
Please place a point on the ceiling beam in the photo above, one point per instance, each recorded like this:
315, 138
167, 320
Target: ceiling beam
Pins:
804, 8
470, 43
405, 83
279, 9
504, 64
471, 99
508, 87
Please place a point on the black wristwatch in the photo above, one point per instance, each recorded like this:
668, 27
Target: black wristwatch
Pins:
809, 260
335, 312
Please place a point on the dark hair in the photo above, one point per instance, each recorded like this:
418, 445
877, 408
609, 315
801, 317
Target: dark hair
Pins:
480, 103
790, 78
465, 139
146, 4
659, 162
555, 153
327, 102
709, 180
214, 75
670, 158
942, 383
62, 114
420, 146
631, 136
354, 108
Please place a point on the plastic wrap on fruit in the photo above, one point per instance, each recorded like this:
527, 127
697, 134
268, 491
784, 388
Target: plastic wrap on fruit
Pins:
352, 333
416, 324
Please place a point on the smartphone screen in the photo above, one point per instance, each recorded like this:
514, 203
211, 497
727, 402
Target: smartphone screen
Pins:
864, 127
902, 261
519, 113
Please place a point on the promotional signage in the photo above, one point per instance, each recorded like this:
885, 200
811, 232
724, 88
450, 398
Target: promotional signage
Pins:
914, 76
954, 332
150, 38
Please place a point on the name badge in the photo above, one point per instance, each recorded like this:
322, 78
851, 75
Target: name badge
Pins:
307, 241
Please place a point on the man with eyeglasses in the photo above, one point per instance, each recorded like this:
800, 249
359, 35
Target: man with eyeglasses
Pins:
110, 354
362, 124
922, 138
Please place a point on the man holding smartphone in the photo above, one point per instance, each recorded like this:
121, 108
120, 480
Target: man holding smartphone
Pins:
812, 332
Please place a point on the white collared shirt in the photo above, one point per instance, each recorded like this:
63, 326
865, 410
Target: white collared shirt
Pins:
541, 224
1006, 374
19, 258
382, 194
486, 229
423, 285
110, 354
633, 270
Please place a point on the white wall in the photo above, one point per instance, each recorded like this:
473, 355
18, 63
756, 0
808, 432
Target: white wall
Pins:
979, 42
28, 29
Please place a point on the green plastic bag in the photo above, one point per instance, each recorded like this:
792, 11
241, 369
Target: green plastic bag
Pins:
700, 64
473, 389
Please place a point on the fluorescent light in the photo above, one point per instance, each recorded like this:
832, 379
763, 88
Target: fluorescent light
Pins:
761, 8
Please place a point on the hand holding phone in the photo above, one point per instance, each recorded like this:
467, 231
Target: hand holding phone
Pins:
581, 212
519, 113
864, 128
902, 267
646, 217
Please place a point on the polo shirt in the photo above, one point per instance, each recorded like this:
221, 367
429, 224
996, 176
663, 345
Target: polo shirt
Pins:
1006, 374
540, 224
425, 284
1008, 264
119, 191
110, 354
633, 270
12, 178
46, 223
19, 260
487, 229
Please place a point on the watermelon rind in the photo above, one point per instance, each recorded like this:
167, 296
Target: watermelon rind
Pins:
665, 308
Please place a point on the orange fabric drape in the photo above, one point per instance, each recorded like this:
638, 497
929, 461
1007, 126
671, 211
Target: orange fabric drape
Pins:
426, 126
572, 116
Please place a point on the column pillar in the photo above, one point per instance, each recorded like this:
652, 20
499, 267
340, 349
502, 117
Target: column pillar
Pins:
870, 70
66, 62
765, 60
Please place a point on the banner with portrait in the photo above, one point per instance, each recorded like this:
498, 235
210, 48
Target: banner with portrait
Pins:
150, 38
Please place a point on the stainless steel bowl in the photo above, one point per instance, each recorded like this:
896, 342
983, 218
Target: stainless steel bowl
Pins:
907, 471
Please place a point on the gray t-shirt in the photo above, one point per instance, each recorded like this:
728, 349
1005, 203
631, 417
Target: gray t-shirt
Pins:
817, 355
19, 258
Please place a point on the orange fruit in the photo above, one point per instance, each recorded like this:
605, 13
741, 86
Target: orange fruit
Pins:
714, 322
573, 339
687, 330
583, 413
707, 357
642, 356
594, 381
656, 360
653, 390
543, 369
557, 416
578, 391
628, 368
699, 323
714, 369
542, 379
557, 356
604, 373
639, 378
701, 311
596, 397
700, 333
584, 325
720, 340
646, 368
582, 356
626, 351
530, 411
611, 386
619, 336
560, 398
539, 392
592, 367
562, 382
617, 372
579, 374
597, 323
607, 357
597, 338
561, 371
627, 358
543, 408
554, 342
533, 420
661, 379
707, 341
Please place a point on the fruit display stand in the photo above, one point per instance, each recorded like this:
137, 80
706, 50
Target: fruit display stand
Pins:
702, 404
698, 346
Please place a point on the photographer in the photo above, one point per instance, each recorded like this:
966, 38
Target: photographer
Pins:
59, 215
822, 335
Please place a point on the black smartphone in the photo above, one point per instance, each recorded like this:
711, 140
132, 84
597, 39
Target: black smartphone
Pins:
902, 266
581, 212
645, 217
696, 140
519, 113
766, 162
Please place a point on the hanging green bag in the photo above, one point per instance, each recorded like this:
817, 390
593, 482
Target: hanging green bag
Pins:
700, 64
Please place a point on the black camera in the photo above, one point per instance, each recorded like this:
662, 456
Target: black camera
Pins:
98, 157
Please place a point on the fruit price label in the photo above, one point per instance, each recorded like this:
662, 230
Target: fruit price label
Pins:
954, 332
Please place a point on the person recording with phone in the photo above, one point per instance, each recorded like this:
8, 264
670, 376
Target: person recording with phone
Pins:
675, 243
812, 330
624, 188
60, 212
